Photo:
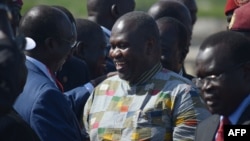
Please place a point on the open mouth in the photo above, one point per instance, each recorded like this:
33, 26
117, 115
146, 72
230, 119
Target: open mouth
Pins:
120, 65
212, 102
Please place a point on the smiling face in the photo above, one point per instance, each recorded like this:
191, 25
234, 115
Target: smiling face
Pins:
223, 95
132, 51
127, 51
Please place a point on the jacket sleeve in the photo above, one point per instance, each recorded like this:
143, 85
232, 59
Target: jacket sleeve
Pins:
53, 119
77, 98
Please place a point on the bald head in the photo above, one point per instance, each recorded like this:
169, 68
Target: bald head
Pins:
138, 23
192, 7
233, 44
106, 12
53, 33
88, 30
171, 8
41, 22
67, 12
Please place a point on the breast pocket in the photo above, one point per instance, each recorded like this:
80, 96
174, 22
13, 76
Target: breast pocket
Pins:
153, 117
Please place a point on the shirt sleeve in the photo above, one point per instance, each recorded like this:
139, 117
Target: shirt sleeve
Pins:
187, 113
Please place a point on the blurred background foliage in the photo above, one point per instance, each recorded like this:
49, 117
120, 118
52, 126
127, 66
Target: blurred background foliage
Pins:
206, 8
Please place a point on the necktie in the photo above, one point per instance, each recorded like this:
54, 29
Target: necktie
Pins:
220, 132
58, 83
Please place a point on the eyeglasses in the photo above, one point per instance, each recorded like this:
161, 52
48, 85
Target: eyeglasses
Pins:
199, 82
72, 44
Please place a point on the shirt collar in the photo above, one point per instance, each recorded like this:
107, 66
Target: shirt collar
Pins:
148, 74
41, 66
181, 72
106, 31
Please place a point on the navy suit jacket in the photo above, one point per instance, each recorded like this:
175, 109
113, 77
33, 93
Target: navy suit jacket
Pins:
207, 129
47, 110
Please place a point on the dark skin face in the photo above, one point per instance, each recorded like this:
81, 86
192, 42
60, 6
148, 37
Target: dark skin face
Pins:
170, 52
62, 45
224, 95
92, 51
128, 52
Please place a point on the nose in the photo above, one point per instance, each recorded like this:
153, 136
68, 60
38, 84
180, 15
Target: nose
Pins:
206, 85
115, 52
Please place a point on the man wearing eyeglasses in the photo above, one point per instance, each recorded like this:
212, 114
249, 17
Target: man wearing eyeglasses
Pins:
223, 76
42, 104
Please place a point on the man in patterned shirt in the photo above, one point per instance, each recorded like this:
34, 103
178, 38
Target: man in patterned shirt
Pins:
144, 101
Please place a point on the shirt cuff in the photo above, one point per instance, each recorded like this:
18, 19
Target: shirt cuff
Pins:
89, 87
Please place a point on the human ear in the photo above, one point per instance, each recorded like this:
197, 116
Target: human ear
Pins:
80, 50
49, 43
114, 11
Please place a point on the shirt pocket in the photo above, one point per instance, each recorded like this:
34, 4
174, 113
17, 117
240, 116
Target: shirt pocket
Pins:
153, 117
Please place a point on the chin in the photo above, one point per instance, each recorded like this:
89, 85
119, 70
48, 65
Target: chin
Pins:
218, 111
123, 76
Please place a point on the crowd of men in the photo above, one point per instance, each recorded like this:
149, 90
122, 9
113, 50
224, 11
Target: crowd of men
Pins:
119, 75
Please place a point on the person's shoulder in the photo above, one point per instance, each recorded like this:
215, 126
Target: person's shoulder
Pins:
110, 81
37, 95
169, 75
14, 127
188, 76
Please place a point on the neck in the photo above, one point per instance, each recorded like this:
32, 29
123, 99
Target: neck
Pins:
41, 58
108, 22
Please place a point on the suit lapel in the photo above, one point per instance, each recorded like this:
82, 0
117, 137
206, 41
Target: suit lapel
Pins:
30, 66
207, 129
212, 127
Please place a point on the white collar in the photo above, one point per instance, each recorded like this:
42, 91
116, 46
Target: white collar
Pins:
107, 31
42, 67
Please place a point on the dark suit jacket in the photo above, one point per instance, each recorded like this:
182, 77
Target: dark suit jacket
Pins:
207, 129
74, 73
49, 112
14, 128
